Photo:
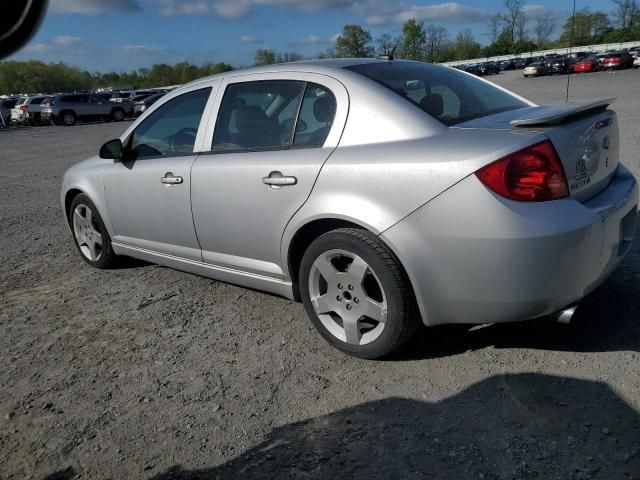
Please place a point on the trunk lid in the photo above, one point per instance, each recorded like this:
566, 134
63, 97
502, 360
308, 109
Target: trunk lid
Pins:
585, 135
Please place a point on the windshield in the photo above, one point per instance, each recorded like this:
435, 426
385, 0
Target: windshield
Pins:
446, 94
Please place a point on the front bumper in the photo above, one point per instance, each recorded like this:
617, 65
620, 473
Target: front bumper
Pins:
474, 257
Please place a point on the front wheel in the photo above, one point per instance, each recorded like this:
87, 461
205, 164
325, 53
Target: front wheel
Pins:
356, 293
117, 115
90, 235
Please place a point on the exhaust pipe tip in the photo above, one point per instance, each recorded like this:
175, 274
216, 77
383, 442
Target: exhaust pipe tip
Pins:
564, 316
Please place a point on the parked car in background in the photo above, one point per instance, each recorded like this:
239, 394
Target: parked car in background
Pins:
132, 96
243, 178
141, 106
123, 88
507, 65
488, 68
587, 64
561, 66
473, 68
535, 70
119, 97
636, 60
520, 63
27, 110
600, 59
6, 105
583, 54
617, 61
68, 109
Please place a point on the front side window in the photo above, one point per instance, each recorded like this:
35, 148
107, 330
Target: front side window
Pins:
170, 130
316, 116
257, 115
446, 94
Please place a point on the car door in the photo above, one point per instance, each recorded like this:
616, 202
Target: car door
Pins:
81, 106
272, 134
148, 193
98, 106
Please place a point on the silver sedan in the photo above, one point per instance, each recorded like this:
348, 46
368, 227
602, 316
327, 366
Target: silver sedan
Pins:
381, 193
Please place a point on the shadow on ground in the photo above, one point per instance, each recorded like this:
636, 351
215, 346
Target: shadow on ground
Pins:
512, 426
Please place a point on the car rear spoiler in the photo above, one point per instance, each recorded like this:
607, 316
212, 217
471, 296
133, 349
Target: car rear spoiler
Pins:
559, 113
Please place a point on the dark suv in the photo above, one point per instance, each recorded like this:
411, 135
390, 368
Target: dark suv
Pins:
68, 109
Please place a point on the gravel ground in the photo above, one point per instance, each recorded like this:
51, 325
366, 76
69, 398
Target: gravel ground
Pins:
145, 372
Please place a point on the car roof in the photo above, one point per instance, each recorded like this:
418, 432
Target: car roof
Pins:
309, 66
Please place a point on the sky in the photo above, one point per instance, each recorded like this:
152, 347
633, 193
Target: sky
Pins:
124, 35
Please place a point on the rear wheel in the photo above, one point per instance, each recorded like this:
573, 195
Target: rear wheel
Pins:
68, 118
357, 294
117, 114
91, 237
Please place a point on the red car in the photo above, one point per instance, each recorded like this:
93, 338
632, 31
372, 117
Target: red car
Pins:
589, 64
617, 61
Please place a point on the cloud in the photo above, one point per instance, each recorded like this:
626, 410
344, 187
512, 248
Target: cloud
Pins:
235, 9
310, 41
92, 7
140, 49
375, 12
57, 44
249, 40
66, 41
534, 11
449, 12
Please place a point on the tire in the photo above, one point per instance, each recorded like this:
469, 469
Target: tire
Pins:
84, 236
68, 118
117, 115
334, 296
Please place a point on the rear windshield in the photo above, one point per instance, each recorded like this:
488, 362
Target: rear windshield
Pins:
447, 94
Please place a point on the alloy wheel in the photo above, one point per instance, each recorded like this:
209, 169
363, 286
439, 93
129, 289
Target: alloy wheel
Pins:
348, 297
68, 119
87, 232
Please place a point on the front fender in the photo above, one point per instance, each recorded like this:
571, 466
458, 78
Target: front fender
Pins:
87, 177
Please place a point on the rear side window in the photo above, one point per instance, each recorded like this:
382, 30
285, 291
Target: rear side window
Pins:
257, 115
37, 101
446, 94
316, 116
171, 129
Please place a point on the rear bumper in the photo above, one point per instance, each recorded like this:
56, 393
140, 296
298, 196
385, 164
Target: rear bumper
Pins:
474, 257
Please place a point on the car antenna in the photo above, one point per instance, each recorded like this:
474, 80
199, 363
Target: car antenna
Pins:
573, 26
388, 56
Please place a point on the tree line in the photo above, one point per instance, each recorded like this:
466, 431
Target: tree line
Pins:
510, 32
34, 76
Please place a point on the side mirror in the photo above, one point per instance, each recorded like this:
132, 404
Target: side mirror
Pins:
112, 150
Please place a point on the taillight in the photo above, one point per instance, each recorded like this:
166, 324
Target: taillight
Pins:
24, 108
533, 174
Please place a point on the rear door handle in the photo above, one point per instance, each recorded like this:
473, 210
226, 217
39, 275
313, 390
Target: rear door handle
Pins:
277, 180
171, 179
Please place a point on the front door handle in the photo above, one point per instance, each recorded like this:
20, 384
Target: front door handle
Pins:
171, 179
277, 180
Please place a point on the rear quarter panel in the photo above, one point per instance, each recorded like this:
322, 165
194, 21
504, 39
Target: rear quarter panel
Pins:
376, 186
